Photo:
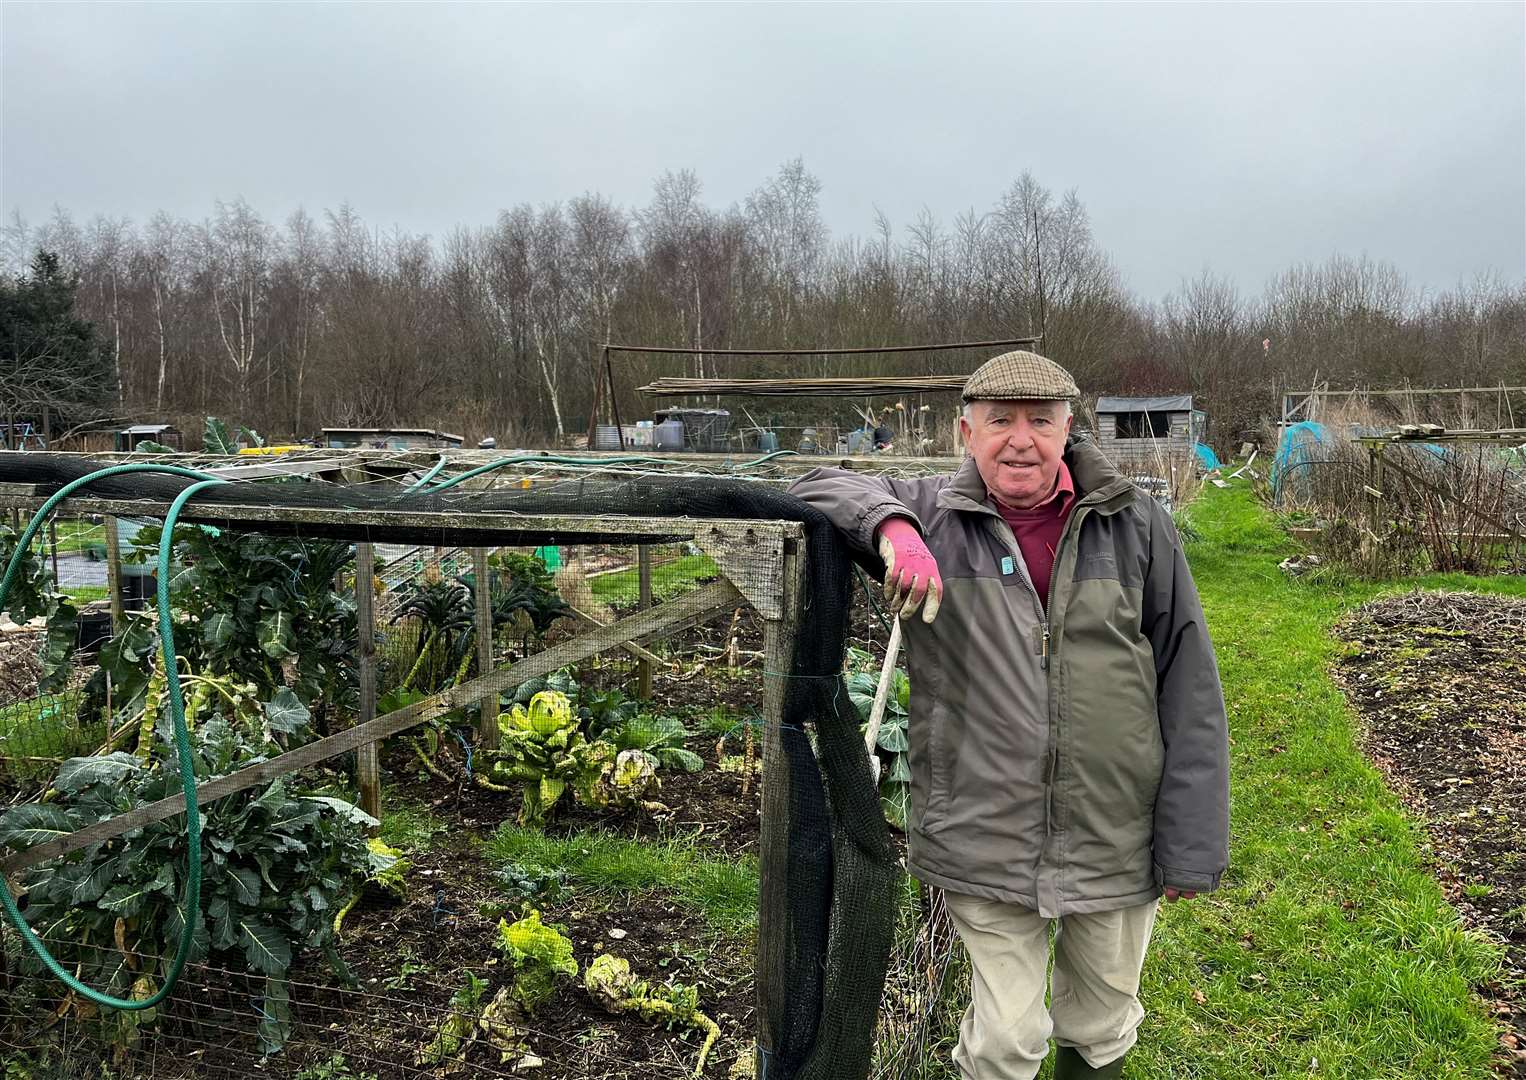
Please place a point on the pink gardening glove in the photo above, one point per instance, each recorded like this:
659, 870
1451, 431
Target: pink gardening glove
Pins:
911, 572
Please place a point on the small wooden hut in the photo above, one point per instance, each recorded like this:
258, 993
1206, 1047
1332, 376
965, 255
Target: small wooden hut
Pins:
1138, 433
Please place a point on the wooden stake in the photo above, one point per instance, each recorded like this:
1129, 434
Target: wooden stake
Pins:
487, 716
644, 601
114, 575
367, 755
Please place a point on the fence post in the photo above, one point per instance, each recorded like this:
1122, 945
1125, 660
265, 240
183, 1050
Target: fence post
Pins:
367, 757
777, 794
1375, 490
487, 715
644, 597
114, 574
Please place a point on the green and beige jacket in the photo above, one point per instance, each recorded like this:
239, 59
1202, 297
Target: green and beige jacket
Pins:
1072, 760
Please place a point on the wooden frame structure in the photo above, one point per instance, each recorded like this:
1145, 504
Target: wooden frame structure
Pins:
1298, 405
761, 564
1378, 466
606, 384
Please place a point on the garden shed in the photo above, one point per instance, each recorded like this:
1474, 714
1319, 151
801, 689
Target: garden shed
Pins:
164, 434
1138, 431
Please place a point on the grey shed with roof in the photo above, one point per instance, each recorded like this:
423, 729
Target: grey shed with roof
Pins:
1136, 432
128, 438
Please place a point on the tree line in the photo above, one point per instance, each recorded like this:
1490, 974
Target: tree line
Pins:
310, 322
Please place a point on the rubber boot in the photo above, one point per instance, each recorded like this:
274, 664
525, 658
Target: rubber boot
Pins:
1070, 1065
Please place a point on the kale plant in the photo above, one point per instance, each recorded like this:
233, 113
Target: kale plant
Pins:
275, 867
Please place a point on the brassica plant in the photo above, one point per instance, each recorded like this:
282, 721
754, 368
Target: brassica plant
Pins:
275, 867
538, 954
541, 747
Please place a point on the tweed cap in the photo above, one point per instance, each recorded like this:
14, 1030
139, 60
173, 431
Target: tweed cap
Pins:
1020, 376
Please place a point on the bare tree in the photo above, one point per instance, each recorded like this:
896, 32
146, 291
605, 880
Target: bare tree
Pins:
236, 246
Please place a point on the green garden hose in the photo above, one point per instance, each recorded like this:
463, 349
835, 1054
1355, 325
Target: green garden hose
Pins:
423, 481
191, 906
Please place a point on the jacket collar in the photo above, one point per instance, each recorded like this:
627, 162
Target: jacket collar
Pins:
1099, 484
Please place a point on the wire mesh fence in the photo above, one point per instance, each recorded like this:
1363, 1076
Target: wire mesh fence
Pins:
566, 875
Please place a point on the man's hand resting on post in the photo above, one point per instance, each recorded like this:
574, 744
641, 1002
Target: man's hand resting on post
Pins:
911, 572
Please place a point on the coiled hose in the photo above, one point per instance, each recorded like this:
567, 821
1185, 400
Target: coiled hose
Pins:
191, 904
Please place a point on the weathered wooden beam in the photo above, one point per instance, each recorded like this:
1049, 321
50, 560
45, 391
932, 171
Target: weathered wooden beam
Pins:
437, 525
635, 650
273, 467
667, 619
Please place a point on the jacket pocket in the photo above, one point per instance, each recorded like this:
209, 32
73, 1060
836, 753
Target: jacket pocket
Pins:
937, 712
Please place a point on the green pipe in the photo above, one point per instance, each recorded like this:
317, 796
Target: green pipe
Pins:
191, 905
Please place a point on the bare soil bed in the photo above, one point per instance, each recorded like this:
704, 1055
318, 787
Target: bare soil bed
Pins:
1440, 682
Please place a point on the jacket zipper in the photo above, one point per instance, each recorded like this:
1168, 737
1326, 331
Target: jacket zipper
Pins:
1052, 764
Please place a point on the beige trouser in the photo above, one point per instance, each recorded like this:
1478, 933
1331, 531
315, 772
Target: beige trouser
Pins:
1095, 1005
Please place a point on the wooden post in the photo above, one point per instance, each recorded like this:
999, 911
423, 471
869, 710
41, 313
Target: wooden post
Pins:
53, 549
1375, 491
367, 756
773, 844
487, 714
644, 601
114, 574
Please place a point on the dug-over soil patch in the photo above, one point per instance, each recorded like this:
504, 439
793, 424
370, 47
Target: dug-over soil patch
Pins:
1439, 680
409, 958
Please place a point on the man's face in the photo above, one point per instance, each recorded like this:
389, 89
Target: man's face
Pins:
1017, 446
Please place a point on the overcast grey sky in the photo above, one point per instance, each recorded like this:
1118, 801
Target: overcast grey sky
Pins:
1243, 138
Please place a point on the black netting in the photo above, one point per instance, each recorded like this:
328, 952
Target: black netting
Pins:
828, 897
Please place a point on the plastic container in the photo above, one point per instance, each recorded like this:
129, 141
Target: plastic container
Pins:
807, 441
768, 442
669, 435
705, 430
638, 436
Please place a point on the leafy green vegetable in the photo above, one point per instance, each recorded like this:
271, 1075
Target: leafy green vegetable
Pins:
611, 983
459, 1027
660, 738
216, 439
538, 954
274, 865
542, 748
891, 741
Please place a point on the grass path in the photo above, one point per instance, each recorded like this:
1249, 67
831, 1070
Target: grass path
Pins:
1330, 951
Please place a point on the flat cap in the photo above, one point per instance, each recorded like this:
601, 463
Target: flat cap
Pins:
1020, 376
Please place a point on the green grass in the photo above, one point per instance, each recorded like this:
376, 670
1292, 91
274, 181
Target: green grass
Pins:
725, 891
77, 535
84, 594
407, 825
668, 580
1329, 951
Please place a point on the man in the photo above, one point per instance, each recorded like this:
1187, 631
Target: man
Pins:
1069, 753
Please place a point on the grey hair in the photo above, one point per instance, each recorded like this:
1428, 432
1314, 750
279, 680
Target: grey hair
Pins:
968, 416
